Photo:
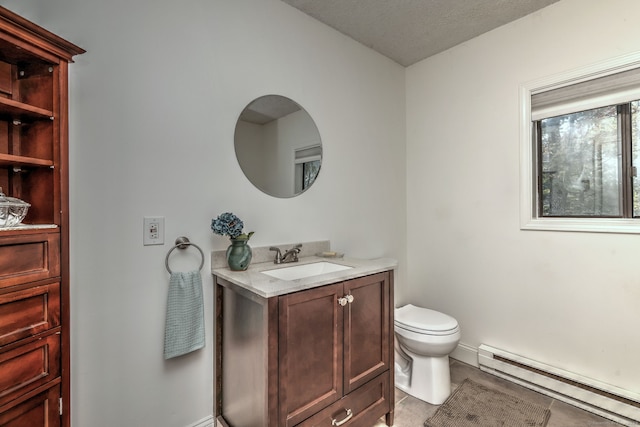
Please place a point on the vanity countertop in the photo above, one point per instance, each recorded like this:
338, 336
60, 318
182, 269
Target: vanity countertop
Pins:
254, 281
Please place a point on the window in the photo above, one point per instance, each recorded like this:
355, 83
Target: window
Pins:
309, 173
580, 145
307, 166
581, 163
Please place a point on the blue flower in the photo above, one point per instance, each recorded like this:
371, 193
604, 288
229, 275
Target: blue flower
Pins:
230, 225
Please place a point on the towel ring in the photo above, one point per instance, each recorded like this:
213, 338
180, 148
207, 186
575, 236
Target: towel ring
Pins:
183, 243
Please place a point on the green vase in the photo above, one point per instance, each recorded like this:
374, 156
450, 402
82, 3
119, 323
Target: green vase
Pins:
239, 254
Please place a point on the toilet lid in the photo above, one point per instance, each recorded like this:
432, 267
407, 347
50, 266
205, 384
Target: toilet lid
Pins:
425, 321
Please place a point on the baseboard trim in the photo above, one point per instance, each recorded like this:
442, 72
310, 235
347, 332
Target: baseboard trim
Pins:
467, 354
605, 400
205, 422
471, 356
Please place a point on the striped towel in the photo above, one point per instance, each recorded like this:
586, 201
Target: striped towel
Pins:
184, 328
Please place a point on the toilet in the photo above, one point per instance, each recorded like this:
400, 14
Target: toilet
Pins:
424, 340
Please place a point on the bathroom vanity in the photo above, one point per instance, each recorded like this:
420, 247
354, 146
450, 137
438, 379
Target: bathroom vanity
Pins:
308, 351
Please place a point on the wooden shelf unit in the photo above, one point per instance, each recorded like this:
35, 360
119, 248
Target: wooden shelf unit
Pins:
34, 257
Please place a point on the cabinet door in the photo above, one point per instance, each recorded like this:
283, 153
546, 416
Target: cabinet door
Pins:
366, 329
310, 352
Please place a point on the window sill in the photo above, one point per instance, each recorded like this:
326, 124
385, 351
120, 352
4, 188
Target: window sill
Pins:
596, 225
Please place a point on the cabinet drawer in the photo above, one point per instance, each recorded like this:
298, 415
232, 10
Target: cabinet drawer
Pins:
29, 366
40, 410
29, 257
366, 404
28, 312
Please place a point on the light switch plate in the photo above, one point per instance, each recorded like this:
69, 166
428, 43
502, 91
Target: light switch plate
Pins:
153, 230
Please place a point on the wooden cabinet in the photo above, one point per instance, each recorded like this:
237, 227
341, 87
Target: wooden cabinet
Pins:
327, 355
34, 256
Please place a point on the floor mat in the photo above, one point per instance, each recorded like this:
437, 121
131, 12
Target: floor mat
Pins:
475, 405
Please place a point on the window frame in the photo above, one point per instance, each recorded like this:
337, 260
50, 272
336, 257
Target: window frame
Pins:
529, 203
301, 157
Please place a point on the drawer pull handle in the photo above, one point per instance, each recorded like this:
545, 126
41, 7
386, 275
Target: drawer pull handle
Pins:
349, 298
337, 423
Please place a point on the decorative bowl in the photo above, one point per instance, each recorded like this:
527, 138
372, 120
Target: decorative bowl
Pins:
12, 210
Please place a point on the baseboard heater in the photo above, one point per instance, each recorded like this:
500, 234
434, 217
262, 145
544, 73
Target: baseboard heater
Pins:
616, 404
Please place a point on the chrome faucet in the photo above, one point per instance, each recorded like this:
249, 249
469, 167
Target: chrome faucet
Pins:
290, 255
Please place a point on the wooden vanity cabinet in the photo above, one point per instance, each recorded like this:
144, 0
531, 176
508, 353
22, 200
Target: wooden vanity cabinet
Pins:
327, 354
34, 256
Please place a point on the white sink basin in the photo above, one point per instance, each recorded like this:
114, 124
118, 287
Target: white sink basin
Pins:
305, 270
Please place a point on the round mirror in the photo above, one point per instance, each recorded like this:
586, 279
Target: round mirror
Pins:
278, 146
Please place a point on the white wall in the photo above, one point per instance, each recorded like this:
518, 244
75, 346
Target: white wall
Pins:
154, 104
567, 299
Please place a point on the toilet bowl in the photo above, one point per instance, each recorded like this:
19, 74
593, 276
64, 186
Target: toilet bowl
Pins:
424, 340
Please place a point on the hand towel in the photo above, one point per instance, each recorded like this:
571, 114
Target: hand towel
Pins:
184, 327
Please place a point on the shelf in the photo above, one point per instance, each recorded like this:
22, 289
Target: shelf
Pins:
23, 227
11, 160
20, 110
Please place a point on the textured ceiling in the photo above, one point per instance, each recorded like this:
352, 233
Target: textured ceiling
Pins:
408, 31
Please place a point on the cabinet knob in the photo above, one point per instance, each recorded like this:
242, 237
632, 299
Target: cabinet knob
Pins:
347, 299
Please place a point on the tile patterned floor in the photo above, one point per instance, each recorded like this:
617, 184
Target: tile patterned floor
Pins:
412, 412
